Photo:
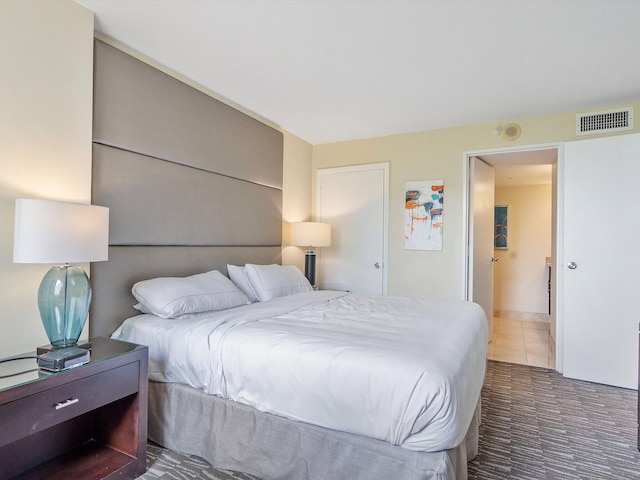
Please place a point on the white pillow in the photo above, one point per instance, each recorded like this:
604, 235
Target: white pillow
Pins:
273, 281
171, 297
238, 276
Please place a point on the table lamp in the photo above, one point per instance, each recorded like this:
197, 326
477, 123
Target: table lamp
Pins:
310, 234
61, 233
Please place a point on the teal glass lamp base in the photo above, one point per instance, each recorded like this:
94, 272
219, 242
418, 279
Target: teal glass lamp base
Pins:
64, 298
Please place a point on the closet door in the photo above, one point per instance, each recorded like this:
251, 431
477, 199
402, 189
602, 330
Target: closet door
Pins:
354, 200
601, 264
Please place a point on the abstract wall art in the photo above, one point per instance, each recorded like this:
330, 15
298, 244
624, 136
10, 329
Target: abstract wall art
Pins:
424, 211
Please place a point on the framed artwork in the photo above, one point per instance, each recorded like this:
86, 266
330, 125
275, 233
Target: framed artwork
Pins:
500, 227
424, 214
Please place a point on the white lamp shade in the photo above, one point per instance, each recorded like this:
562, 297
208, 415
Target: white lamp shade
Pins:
58, 232
310, 234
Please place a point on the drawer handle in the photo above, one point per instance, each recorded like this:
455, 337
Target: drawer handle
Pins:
66, 403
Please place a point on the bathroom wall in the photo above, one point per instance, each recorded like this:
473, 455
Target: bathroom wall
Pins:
521, 275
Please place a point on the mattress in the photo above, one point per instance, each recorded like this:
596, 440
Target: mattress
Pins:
406, 371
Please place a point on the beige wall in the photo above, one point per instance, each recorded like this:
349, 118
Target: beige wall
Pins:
296, 193
521, 276
46, 49
437, 155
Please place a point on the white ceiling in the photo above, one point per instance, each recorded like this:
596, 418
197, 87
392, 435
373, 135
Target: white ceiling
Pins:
344, 69
527, 167
518, 175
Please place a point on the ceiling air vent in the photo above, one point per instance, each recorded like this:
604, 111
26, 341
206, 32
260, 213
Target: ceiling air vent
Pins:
604, 121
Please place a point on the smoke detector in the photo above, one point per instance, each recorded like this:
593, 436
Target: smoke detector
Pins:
511, 132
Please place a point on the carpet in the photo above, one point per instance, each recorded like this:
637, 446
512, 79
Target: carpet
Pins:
536, 425
163, 464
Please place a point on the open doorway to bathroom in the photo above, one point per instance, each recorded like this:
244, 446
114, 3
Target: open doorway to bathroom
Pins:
521, 281
523, 323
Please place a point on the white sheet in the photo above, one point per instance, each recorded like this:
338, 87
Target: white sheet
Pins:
403, 370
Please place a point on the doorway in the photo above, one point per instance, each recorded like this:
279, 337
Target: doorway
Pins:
516, 275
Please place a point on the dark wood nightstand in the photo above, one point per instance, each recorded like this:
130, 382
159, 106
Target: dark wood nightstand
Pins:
86, 422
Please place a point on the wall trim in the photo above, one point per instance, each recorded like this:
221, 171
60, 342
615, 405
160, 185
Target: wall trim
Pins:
526, 316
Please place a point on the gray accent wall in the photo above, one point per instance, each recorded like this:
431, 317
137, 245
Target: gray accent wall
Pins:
141, 109
157, 202
191, 183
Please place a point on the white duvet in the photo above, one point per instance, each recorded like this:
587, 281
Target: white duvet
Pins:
398, 369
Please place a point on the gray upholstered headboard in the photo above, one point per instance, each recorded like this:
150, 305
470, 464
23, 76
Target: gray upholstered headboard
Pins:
192, 184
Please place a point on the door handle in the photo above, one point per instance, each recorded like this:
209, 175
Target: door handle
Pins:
494, 259
572, 265
65, 403
376, 265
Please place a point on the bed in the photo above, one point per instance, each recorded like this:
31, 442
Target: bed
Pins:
194, 186
389, 374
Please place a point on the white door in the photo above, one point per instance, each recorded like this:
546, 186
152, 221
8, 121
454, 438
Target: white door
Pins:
601, 263
354, 200
481, 220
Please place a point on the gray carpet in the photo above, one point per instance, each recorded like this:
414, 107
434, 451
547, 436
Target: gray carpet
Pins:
164, 464
536, 425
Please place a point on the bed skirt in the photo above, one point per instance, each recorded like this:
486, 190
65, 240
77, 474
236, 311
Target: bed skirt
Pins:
232, 436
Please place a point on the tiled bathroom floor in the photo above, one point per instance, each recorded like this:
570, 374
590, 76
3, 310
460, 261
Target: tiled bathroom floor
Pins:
521, 341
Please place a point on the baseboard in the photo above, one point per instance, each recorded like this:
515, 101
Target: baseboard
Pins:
528, 316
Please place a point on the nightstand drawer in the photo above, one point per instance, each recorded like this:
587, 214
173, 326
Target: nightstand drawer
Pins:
42, 410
